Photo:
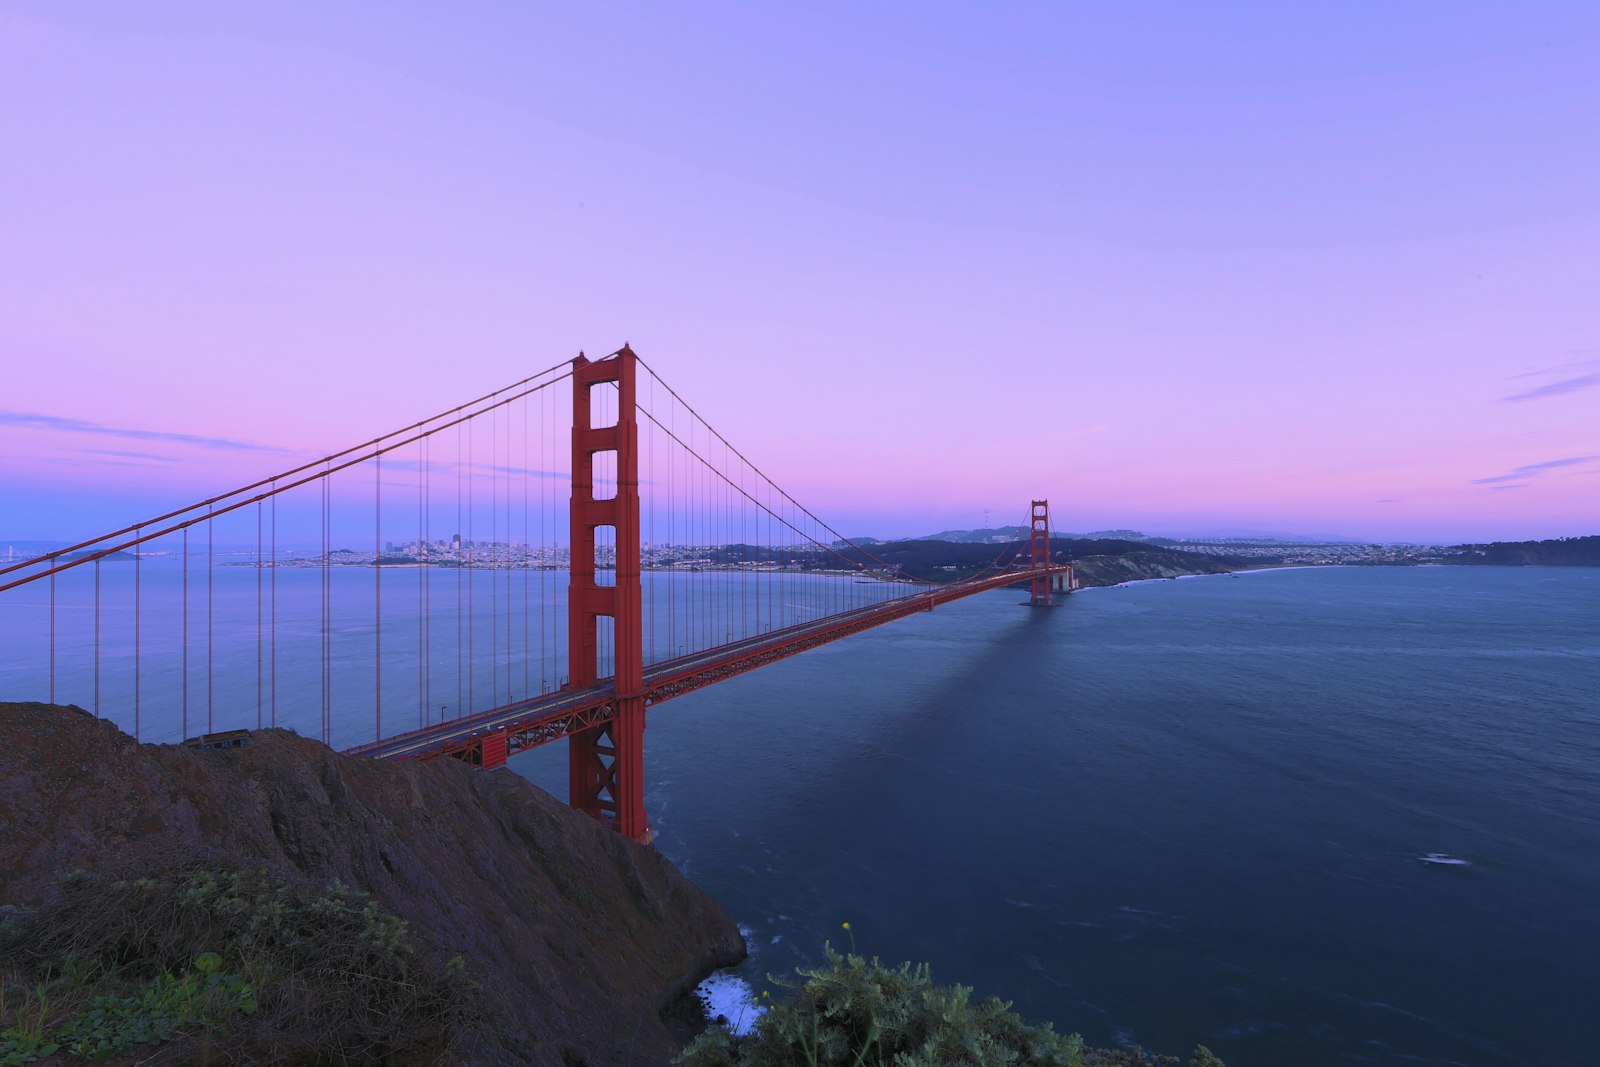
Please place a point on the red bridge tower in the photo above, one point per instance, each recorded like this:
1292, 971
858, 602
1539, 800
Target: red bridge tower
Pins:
1039, 544
606, 762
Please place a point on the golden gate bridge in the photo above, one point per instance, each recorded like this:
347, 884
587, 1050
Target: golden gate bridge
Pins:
682, 564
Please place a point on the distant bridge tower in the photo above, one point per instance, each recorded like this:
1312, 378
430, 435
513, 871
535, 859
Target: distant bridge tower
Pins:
606, 762
1039, 545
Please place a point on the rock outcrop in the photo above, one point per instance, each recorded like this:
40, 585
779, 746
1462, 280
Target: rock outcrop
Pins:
580, 942
1142, 566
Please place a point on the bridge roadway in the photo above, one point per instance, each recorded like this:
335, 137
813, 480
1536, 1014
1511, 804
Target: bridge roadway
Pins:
536, 721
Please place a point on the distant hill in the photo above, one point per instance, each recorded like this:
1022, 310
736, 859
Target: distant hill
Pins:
1561, 552
1120, 535
1102, 561
923, 558
994, 535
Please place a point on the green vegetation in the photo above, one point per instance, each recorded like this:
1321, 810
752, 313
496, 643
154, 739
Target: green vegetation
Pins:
1559, 552
951, 561
854, 1013
232, 960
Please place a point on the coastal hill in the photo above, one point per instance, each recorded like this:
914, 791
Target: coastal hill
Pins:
462, 916
1560, 552
1097, 561
1104, 559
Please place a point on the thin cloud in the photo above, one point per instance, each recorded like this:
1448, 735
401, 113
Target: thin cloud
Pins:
1529, 471
124, 454
1566, 385
1570, 382
1388, 500
1514, 485
61, 425
446, 466
91, 464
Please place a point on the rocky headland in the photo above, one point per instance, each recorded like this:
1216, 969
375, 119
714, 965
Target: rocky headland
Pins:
554, 940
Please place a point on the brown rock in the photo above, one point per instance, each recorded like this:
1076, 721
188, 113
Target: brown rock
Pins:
580, 939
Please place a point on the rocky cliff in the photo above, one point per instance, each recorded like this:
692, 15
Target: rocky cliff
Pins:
577, 944
1144, 565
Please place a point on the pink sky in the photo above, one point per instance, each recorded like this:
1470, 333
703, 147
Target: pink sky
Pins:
1182, 271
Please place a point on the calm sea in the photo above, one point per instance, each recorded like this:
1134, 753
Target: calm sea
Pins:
1184, 811
1165, 813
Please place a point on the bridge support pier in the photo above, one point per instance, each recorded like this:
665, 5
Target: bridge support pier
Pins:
606, 762
1039, 550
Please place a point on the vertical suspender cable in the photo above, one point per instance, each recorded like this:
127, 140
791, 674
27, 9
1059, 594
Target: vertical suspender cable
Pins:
377, 598
460, 562
544, 666
273, 631
97, 639
184, 665
471, 547
527, 558
260, 690
650, 529
138, 569
427, 579
52, 637
211, 568
672, 517
422, 610
327, 610
494, 577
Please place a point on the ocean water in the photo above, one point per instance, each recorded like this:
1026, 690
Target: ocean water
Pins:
168, 653
1166, 813
1182, 811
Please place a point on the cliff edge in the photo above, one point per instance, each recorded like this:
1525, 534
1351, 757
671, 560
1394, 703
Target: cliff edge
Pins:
575, 943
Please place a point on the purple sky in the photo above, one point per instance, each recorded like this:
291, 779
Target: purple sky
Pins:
1178, 268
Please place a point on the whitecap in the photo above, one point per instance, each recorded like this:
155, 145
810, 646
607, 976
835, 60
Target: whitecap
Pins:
730, 997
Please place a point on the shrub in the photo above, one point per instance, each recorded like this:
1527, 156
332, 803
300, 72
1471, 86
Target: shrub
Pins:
854, 1013
212, 954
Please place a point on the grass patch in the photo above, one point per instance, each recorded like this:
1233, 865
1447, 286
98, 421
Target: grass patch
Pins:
234, 960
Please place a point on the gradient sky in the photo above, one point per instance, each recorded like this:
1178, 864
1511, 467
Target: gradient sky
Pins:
1322, 269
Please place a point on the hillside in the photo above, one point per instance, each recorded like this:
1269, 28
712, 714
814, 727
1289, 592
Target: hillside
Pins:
575, 946
1097, 561
1561, 552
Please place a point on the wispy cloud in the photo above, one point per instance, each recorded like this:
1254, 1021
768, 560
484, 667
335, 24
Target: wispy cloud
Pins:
1529, 471
125, 454
1388, 500
448, 466
30, 420
1565, 385
1570, 377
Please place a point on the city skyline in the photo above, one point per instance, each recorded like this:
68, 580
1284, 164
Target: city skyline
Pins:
1313, 273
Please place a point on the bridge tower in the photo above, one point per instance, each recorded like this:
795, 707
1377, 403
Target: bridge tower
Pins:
606, 762
1039, 546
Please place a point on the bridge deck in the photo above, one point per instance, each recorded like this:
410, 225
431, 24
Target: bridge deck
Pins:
549, 717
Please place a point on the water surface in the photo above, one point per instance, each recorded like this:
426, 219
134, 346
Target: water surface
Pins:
1183, 811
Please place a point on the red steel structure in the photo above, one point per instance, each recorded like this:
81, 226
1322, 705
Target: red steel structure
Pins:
606, 761
487, 738
782, 582
1039, 554
604, 718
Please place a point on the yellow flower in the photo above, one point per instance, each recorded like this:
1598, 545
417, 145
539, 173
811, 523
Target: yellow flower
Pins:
845, 925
